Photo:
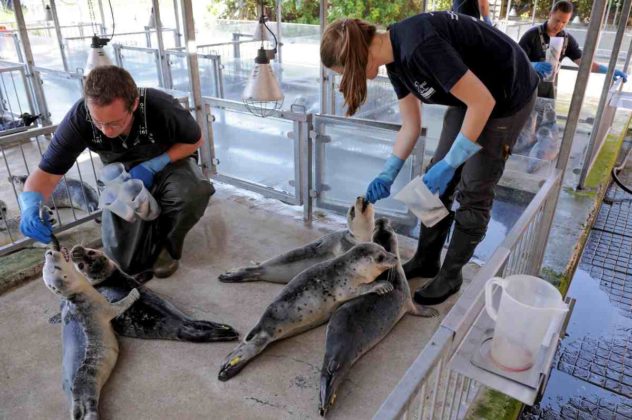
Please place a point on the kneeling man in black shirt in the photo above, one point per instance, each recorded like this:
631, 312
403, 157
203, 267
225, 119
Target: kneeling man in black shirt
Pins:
156, 140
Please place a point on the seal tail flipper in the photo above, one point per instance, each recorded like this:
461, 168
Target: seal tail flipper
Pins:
328, 386
206, 331
85, 408
255, 342
423, 311
242, 275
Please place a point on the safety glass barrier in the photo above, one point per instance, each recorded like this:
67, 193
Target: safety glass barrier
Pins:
15, 97
266, 155
142, 63
73, 202
61, 91
10, 47
45, 47
381, 102
349, 154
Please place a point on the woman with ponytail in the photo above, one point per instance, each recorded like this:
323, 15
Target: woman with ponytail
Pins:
486, 81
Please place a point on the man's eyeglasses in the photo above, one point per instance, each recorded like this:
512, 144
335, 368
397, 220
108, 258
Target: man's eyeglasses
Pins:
118, 124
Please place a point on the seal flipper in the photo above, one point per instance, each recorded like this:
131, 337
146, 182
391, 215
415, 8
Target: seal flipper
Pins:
55, 319
242, 275
328, 386
206, 332
423, 311
257, 340
85, 407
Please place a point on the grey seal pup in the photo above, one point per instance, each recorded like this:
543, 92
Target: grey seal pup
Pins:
281, 269
358, 325
309, 299
69, 193
151, 316
90, 347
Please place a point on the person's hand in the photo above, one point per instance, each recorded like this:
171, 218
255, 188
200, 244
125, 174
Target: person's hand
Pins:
441, 173
618, 74
147, 170
380, 187
488, 20
543, 68
30, 223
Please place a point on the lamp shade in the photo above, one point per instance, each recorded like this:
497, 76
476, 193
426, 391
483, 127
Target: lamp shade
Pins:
262, 85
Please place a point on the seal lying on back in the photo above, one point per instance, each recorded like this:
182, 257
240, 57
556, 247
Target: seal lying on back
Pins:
90, 348
309, 299
151, 317
360, 324
285, 267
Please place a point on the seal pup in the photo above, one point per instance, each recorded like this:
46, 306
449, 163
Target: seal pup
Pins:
151, 317
69, 193
281, 269
90, 347
309, 299
358, 325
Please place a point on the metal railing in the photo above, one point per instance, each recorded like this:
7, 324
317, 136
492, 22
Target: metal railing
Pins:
15, 97
430, 389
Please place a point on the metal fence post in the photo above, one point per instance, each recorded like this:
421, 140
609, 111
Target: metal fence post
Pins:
118, 55
60, 39
591, 150
207, 149
236, 52
323, 75
147, 36
36, 83
177, 18
278, 27
165, 72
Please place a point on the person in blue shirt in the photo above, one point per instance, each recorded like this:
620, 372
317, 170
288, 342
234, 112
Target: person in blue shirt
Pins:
474, 8
536, 40
488, 85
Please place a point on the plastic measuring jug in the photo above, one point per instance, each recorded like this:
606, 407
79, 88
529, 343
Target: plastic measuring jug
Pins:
134, 193
114, 174
553, 54
424, 204
530, 312
110, 200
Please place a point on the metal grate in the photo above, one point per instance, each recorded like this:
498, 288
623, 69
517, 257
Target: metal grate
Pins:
615, 218
605, 362
609, 251
617, 285
585, 407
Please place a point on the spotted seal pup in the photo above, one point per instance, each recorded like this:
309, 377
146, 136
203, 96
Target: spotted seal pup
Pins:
67, 189
309, 299
281, 269
358, 325
151, 317
90, 347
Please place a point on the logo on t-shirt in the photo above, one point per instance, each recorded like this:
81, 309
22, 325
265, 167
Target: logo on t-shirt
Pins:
424, 90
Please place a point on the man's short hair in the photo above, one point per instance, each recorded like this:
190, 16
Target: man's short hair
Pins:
563, 6
106, 83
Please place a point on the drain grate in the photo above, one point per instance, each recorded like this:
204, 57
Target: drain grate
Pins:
609, 251
605, 362
617, 285
616, 194
585, 407
615, 218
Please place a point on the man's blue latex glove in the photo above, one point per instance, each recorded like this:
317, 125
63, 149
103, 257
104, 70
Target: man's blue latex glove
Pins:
439, 176
380, 187
30, 223
488, 20
618, 74
542, 68
147, 170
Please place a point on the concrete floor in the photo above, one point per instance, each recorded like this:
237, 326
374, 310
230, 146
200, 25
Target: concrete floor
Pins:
165, 380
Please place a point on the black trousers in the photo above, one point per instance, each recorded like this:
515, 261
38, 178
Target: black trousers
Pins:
183, 193
474, 182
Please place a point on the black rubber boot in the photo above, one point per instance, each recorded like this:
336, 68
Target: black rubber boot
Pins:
426, 261
450, 277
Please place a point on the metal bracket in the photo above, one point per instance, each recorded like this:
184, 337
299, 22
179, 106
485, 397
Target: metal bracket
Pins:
314, 193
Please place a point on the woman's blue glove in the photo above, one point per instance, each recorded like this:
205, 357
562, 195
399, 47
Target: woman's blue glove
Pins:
380, 187
618, 74
148, 169
542, 68
439, 176
30, 223
487, 20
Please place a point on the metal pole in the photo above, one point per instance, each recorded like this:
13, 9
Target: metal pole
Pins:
36, 83
178, 30
102, 17
278, 28
165, 72
324, 4
208, 150
590, 45
616, 13
507, 12
605, 21
591, 149
60, 41
535, 7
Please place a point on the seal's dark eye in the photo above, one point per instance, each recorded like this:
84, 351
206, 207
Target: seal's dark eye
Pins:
380, 258
352, 211
80, 265
90, 252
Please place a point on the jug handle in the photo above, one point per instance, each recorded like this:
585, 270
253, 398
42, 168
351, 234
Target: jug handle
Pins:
554, 326
491, 311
